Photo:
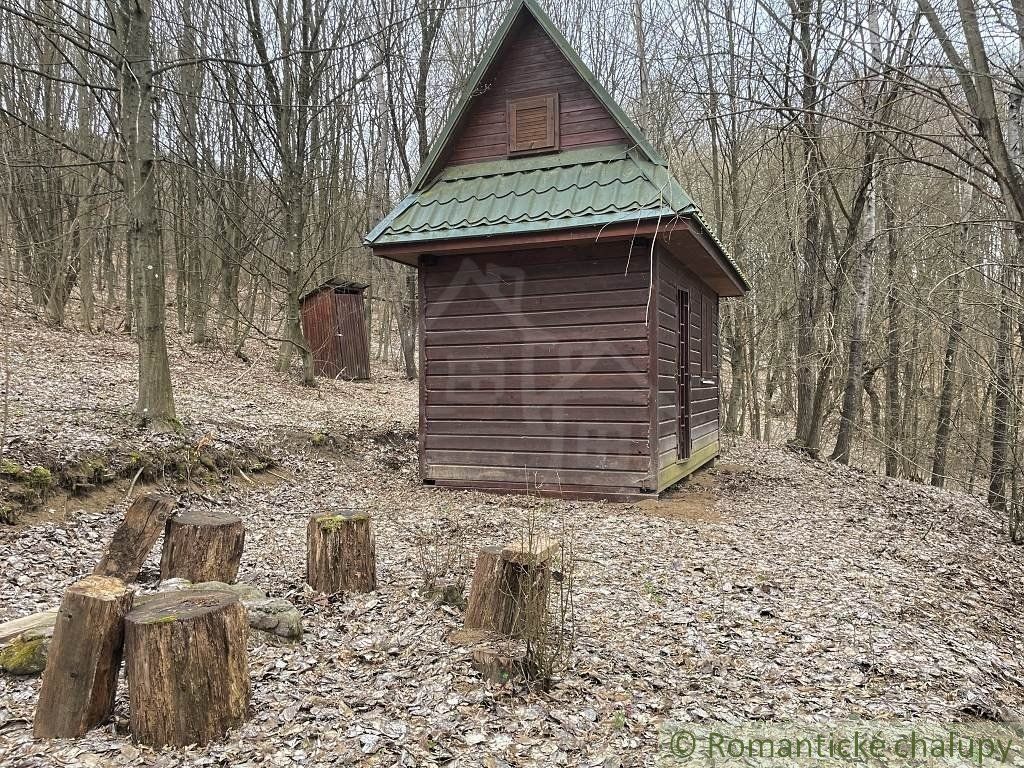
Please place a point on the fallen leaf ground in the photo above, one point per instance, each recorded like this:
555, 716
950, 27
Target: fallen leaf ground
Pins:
771, 587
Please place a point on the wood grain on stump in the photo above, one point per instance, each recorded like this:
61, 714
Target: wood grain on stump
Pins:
80, 679
509, 591
340, 552
203, 546
187, 668
134, 538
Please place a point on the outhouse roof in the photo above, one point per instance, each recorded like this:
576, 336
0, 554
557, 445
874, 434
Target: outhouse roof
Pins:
342, 284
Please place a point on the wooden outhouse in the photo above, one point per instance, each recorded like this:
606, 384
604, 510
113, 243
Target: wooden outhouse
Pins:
568, 286
334, 324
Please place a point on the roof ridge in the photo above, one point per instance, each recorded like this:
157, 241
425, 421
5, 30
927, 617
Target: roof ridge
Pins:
564, 159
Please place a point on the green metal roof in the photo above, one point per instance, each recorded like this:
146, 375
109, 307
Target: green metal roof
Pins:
569, 190
564, 190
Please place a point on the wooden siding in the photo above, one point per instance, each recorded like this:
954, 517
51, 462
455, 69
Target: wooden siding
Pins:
531, 65
536, 372
704, 391
334, 326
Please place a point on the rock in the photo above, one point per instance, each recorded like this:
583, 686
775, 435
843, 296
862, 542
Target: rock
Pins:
171, 585
275, 615
26, 654
451, 593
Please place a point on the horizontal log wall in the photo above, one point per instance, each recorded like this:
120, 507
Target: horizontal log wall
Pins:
704, 390
531, 64
536, 371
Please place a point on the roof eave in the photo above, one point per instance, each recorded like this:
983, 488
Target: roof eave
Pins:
407, 252
513, 228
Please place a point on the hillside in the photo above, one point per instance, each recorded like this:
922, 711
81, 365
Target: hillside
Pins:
769, 587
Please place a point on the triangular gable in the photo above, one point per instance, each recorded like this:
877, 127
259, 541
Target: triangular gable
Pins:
529, 55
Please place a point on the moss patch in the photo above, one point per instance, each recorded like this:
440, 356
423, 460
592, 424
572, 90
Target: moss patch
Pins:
40, 479
11, 470
334, 522
25, 490
25, 655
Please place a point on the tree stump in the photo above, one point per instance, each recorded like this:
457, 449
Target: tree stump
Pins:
202, 546
509, 591
187, 668
135, 537
340, 552
80, 679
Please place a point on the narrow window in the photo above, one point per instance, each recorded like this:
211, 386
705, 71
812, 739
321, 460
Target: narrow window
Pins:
683, 376
533, 124
707, 331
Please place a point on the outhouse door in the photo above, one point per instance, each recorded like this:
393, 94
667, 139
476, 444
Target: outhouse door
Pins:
683, 375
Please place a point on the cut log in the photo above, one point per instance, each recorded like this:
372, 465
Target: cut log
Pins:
340, 552
187, 668
37, 622
134, 538
25, 642
540, 550
509, 591
80, 679
202, 546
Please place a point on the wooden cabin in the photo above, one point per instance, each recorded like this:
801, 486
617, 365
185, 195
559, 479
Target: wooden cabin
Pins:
334, 325
569, 288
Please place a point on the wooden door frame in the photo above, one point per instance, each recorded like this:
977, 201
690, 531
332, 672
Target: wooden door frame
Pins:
683, 375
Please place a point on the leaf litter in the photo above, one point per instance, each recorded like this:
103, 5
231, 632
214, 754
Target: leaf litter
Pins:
771, 587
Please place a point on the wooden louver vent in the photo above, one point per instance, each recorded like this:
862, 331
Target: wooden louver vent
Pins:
533, 124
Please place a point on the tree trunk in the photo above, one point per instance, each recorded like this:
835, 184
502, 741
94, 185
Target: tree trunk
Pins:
810, 276
341, 553
1001, 408
947, 389
130, 20
135, 537
202, 546
84, 662
894, 312
187, 668
733, 421
292, 339
407, 325
851, 407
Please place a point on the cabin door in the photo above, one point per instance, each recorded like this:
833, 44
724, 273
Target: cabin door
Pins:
683, 376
